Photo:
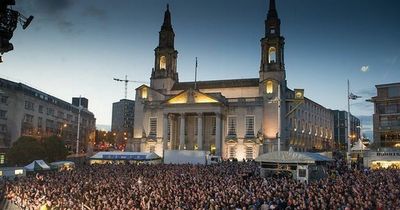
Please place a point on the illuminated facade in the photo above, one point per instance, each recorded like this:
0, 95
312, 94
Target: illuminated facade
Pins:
25, 111
387, 115
232, 118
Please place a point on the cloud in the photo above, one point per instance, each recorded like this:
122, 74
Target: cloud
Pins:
48, 11
48, 7
364, 105
367, 92
364, 68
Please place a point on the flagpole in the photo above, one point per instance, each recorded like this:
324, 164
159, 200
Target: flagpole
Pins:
195, 76
348, 126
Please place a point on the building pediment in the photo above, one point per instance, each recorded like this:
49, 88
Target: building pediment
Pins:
191, 96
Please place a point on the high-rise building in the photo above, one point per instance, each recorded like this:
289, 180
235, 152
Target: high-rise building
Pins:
123, 115
387, 115
340, 129
239, 118
26, 111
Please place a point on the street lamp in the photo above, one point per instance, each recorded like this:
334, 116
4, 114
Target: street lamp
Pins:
62, 127
352, 97
79, 125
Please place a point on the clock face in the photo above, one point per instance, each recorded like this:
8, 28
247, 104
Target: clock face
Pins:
299, 94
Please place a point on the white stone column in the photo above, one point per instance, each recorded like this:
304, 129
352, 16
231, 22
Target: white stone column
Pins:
171, 129
165, 131
218, 134
200, 131
182, 132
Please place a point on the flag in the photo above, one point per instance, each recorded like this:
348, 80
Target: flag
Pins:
353, 97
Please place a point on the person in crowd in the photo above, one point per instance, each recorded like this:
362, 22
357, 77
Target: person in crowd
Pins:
224, 186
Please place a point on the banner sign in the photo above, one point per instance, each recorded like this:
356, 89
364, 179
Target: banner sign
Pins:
124, 157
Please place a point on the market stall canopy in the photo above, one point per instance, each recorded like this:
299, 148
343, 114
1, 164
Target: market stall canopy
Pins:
125, 156
292, 157
37, 165
359, 146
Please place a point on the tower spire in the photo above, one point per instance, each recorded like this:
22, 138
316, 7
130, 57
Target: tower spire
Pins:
272, 23
272, 9
272, 46
167, 20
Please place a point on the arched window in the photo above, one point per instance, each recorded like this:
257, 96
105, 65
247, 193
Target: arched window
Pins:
269, 87
144, 93
163, 62
272, 55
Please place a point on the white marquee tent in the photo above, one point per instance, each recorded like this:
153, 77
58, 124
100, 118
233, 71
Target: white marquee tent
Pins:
359, 146
292, 157
37, 165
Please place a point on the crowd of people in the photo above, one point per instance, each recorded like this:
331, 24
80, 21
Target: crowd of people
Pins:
228, 185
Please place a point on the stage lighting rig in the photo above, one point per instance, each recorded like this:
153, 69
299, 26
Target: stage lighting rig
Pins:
9, 19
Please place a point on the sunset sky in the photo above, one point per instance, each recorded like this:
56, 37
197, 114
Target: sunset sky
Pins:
76, 47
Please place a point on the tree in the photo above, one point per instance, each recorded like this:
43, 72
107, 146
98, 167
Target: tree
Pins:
54, 148
25, 150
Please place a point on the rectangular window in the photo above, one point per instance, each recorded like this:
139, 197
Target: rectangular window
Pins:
40, 109
60, 114
153, 127
49, 125
19, 172
2, 157
391, 109
231, 126
3, 127
393, 92
50, 111
3, 114
3, 99
302, 172
213, 125
249, 126
39, 123
28, 118
249, 153
232, 152
28, 105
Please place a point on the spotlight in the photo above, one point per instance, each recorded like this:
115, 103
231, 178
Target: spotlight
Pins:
25, 21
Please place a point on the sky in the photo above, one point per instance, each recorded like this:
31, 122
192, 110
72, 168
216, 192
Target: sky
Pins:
75, 47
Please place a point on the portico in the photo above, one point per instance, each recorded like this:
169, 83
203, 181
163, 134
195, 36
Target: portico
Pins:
193, 126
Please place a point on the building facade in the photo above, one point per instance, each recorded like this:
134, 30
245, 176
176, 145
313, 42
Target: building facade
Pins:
239, 118
387, 115
25, 111
123, 115
341, 131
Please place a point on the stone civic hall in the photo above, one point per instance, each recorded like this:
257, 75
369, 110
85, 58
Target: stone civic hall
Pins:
240, 118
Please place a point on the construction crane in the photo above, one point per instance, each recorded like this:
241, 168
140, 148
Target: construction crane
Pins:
126, 83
